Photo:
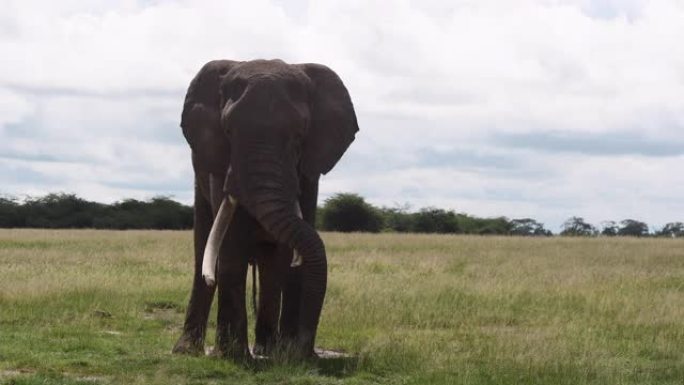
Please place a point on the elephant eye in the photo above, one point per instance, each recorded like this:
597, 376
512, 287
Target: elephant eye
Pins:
237, 87
296, 90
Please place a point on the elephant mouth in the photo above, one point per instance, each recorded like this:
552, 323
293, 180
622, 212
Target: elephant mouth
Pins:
224, 212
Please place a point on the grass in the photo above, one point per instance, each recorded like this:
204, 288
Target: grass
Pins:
105, 307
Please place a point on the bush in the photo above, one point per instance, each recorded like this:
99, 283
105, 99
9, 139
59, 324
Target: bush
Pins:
348, 212
577, 227
397, 219
10, 215
344, 212
60, 211
528, 227
610, 229
432, 220
633, 228
483, 226
69, 211
672, 229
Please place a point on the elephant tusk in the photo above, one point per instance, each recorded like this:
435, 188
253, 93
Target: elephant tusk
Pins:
297, 257
218, 231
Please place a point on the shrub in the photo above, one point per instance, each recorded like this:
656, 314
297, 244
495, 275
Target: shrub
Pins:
348, 212
672, 229
577, 227
633, 228
432, 220
528, 227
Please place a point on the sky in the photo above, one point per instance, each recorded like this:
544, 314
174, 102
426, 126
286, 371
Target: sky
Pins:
520, 108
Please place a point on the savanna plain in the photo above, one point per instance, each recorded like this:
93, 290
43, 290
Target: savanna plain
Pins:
105, 307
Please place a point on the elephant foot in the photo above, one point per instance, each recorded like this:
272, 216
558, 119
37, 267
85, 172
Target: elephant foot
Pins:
306, 355
290, 349
260, 350
265, 346
231, 348
234, 354
189, 345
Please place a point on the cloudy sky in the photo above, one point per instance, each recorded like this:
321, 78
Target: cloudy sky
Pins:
522, 108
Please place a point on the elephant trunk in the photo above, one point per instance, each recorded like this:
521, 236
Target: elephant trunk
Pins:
283, 223
272, 203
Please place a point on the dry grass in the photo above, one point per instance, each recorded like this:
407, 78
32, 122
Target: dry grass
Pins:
106, 306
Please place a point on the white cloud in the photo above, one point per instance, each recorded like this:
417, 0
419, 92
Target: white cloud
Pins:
92, 91
14, 107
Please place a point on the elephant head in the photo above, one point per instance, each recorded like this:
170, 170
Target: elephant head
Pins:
270, 123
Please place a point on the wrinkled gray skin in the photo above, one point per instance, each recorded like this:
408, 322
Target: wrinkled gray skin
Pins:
262, 132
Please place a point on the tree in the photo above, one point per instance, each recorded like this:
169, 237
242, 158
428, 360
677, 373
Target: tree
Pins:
672, 229
349, 212
397, 218
69, 211
609, 229
633, 228
159, 213
169, 214
468, 224
320, 213
433, 220
486, 226
528, 227
10, 215
577, 227
60, 210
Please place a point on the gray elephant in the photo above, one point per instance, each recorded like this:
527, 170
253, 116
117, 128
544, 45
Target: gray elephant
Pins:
261, 133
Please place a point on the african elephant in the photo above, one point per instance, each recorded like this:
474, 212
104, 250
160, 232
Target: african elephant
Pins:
261, 134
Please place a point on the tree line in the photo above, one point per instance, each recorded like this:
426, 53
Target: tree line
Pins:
71, 212
576, 226
344, 212
350, 212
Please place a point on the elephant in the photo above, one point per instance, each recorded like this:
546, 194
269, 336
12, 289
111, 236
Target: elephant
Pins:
261, 134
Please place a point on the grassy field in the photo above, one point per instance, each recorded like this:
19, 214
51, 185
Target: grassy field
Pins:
105, 307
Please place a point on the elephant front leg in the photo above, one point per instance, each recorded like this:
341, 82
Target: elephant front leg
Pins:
231, 328
291, 289
268, 309
195, 326
292, 281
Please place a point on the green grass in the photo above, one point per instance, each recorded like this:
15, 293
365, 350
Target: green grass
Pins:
105, 307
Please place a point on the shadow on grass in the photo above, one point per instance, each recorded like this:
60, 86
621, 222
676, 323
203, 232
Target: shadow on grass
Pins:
328, 363
152, 306
47, 379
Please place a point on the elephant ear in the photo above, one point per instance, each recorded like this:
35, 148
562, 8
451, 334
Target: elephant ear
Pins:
202, 105
333, 121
